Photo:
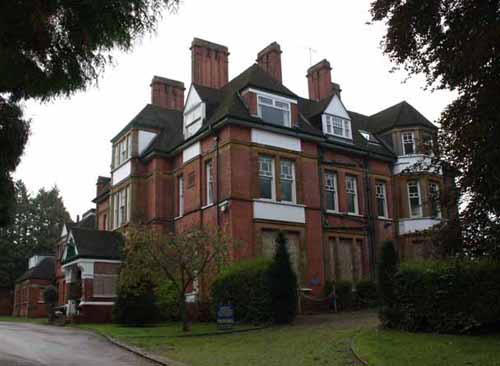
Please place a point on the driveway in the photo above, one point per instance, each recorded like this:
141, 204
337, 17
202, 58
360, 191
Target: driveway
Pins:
23, 344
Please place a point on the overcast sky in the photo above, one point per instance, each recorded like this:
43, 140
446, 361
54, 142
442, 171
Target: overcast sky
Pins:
69, 145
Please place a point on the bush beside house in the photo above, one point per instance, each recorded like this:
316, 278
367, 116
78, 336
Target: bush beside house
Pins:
446, 297
245, 285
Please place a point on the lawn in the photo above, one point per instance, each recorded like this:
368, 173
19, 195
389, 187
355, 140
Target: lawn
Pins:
394, 348
323, 341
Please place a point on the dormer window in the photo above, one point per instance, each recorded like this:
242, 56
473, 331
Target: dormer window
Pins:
193, 119
274, 110
337, 126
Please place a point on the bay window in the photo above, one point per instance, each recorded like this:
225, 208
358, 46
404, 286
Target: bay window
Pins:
337, 126
414, 200
266, 177
381, 196
351, 188
274, 110
331, 192
122, 151
408, 139
287, 180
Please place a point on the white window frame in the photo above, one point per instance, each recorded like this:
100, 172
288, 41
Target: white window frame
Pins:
180, 193
121, 207
333, 122
289, 177
353, 191
331, 186
415, 183
209, 182
268, 174
406, 140
285, 107
381, 193
122, 151
438, 202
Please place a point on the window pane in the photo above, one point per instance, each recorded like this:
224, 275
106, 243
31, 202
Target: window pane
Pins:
266, 187
330, 200
351, 190
265, 100
351, 206
274, 115
282, 105
381, 207
286, 191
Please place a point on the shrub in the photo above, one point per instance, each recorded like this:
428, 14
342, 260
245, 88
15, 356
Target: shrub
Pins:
283, 284
343, 293
446, 297
136, 304
366, 294
167, 301
245, 285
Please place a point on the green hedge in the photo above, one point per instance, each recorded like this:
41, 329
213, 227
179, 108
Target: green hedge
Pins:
245, 285
445, 297
343, 292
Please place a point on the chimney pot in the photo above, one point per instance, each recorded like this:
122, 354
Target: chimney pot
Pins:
209, 64
319, 80
270, 60
167, 93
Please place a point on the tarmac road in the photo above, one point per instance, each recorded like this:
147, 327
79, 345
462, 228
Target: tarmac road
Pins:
24, 344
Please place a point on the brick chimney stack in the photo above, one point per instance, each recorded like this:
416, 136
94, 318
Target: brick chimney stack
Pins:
167, 93
270, 60
209, 64
319, 80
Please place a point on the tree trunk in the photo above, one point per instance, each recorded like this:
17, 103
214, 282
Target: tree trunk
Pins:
184, 313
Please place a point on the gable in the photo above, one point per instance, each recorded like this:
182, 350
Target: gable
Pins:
336, 108
70, 249
192, 100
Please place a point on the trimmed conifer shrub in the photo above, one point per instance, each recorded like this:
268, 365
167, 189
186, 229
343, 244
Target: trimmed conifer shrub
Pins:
283, 284
387, 268
50, 298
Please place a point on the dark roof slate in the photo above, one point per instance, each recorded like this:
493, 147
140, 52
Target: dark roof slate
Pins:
399, 115
97, 244
45, 270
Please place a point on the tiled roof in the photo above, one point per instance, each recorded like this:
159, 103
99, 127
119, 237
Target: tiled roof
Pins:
96, 244
399, 115
45, 270
227, 103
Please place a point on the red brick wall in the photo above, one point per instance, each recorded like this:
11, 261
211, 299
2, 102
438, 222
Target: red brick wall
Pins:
28, 299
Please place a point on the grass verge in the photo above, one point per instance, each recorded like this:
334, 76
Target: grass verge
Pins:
395, 348
305, 345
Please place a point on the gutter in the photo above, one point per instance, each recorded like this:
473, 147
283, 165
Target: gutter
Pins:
369, 216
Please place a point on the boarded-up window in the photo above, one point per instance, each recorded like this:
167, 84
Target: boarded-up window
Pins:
269, 246
346, 257
105, 285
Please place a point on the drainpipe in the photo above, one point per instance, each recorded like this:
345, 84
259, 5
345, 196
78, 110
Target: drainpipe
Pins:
369, 216
322, 211
217, 175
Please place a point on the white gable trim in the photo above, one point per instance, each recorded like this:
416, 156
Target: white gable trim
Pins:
192, 99
337, 108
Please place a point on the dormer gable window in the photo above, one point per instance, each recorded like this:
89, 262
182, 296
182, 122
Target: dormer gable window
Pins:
194, 112
273, 109
337, 126
193, 119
